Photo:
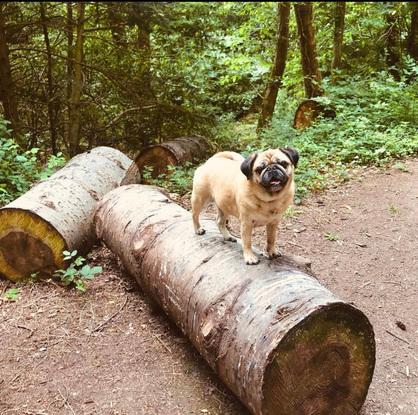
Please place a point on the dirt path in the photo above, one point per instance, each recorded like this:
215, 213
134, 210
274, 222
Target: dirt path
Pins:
109, 351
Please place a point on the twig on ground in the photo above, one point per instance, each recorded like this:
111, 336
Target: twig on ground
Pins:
101, 325
165, 346
398, 337
66, 403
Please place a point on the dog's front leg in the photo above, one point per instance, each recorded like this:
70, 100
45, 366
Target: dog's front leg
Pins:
246, 231
271, 229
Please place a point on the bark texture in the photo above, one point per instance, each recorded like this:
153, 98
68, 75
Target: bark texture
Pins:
412, 40
7, 87
340, 8
311, 74
56, 214
171, 153
280, 341
308, 111
279, 64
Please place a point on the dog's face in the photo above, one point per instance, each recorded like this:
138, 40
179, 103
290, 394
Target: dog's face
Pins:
271, 169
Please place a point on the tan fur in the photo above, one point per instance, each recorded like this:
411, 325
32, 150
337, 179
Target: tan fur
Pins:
220, 180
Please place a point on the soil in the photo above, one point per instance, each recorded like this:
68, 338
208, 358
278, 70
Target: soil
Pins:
111, 351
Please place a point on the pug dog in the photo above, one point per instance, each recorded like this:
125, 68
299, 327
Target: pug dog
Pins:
256, 190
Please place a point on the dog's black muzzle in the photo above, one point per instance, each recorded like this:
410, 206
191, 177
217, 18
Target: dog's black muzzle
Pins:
274, 177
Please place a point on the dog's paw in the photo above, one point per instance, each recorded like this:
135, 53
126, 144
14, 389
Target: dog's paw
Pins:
274, 254
230, 239
200, 231
251, 259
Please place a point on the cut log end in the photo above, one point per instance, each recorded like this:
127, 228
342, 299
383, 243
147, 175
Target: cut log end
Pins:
28, 244
323, 366
158, 158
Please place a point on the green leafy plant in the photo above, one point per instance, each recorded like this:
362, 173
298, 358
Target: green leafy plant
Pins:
76, 274
18, 168
12, 294
329, 236
393, 210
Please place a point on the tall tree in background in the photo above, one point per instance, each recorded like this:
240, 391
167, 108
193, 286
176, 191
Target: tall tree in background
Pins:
7, 87
412, 41
50, 98
76, 85
276, 75
392, 36
311, 74
340, 8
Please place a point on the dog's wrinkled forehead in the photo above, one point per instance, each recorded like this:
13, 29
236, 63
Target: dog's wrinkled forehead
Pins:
270, 157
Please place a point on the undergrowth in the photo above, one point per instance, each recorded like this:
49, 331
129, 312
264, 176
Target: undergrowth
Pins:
19, 168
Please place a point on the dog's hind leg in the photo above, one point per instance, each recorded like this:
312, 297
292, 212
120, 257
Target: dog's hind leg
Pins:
221, 221
198, 203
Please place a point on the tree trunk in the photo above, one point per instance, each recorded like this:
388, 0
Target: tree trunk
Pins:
55, 215
171, 153
76, 85
393, 56
310, 68
70, 68
50, 90
280, 341
340, 8
412, 40
7, 87
275, 81
308, 111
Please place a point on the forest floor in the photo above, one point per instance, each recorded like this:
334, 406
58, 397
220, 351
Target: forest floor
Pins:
110, 351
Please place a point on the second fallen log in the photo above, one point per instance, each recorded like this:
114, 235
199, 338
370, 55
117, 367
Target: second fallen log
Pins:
280, 341
171, 153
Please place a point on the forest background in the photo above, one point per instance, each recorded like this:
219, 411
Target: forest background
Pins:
78, 75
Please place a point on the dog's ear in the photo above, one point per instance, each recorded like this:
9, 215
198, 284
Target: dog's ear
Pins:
292, 154
247, 165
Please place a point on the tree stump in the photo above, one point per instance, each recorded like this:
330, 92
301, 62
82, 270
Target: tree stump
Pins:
170, 153
55, 215
283, 343
308, 111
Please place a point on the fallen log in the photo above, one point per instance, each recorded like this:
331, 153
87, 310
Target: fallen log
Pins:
56, 214
280, 341
170, 153
308, 111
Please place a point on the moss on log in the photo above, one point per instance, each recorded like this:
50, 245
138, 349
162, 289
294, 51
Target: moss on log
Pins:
283, 343
55, 215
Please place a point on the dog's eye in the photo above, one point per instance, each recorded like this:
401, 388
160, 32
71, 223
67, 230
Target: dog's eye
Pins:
284, 164
259, 169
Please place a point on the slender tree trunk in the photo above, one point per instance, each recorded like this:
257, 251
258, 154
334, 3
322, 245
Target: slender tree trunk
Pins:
393, 57
311, 75
144, 46
412, 41
275, 81
77, 85
7, 86
50, 90
340, 8
70, 68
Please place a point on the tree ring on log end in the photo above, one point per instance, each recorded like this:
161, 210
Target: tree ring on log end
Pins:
323, 366
158, 158
28, 244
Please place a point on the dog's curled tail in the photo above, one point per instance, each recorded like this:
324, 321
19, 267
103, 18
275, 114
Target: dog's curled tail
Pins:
230, 155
